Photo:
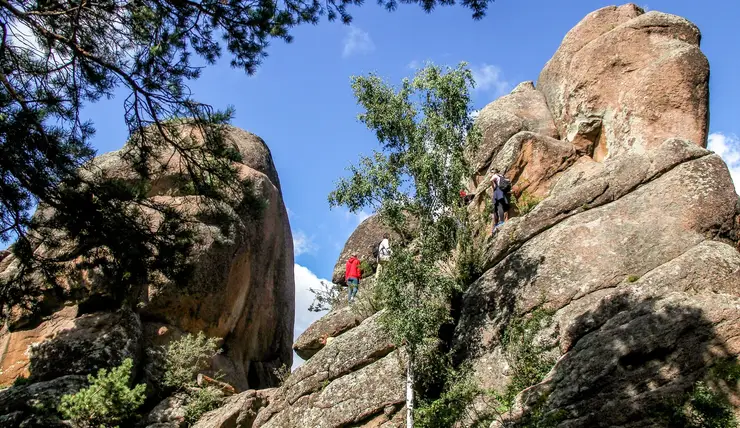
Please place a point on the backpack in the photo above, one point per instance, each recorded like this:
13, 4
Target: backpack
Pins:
376, 249
504, 184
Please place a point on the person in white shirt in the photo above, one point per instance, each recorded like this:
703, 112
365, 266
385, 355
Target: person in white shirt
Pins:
384, 252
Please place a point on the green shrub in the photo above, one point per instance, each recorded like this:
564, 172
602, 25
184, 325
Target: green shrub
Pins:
107, 401
702, 408
20, 381
528, 360
488, 210
201, 401
185, 357
632, 278
727, 371
282, 373
538, 417
367, 268
526, 202
470, 259
453, 406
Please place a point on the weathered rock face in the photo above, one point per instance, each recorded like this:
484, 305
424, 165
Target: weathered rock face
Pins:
242, 290
19, 404
239, 411
641, 75
83, 343
332, 325
524, 109
628, 252
533, 163
367, 235
355, 380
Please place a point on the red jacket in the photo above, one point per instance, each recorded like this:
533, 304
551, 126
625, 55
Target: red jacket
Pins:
352, 269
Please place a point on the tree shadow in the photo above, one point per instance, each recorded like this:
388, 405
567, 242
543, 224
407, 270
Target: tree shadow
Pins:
71, 346
95, 341
633, 362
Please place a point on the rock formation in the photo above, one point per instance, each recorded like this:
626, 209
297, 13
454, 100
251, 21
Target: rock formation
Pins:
627, 263
628, 80
241, 291
629, 252
524, 109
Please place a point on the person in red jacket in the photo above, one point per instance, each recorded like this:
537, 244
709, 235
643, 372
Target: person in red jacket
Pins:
352, 275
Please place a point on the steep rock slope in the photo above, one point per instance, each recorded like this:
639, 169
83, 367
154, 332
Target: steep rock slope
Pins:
242, 291
639, 77
628, 253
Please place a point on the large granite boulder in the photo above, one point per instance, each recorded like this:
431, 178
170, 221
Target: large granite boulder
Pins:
355, 380
32, 405
239, 411
629, 79
70, 344
329, 326
532, 162
638, 239
628, 263
241, 290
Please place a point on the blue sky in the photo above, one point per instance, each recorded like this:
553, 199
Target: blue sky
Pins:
301, 104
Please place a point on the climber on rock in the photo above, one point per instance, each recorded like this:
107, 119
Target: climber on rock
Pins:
352, 275
384, 252
501, 196
466, 197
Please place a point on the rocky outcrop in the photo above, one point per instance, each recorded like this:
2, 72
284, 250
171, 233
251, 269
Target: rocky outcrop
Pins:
362, 241
331, 325
85, 344
355, 379
241, 291
533, 163
628, 252
27, 405
239, 411
639, 77
524, 109
170, 412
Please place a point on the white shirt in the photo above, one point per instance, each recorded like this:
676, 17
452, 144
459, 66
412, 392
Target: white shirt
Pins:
384, 249
497, 192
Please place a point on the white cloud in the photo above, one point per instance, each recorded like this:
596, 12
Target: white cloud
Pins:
303, 244
728, 148
291, 213
414, 64
490, 78
356, 218
357, 42
304, 280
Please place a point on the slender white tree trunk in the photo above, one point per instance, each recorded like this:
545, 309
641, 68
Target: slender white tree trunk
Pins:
409, 395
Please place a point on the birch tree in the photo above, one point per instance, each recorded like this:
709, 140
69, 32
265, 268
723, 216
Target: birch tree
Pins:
424, 128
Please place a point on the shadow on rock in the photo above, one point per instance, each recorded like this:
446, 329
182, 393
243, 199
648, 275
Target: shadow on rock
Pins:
637, 362
491, 301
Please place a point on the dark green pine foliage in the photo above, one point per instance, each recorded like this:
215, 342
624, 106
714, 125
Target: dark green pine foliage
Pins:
57, 56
